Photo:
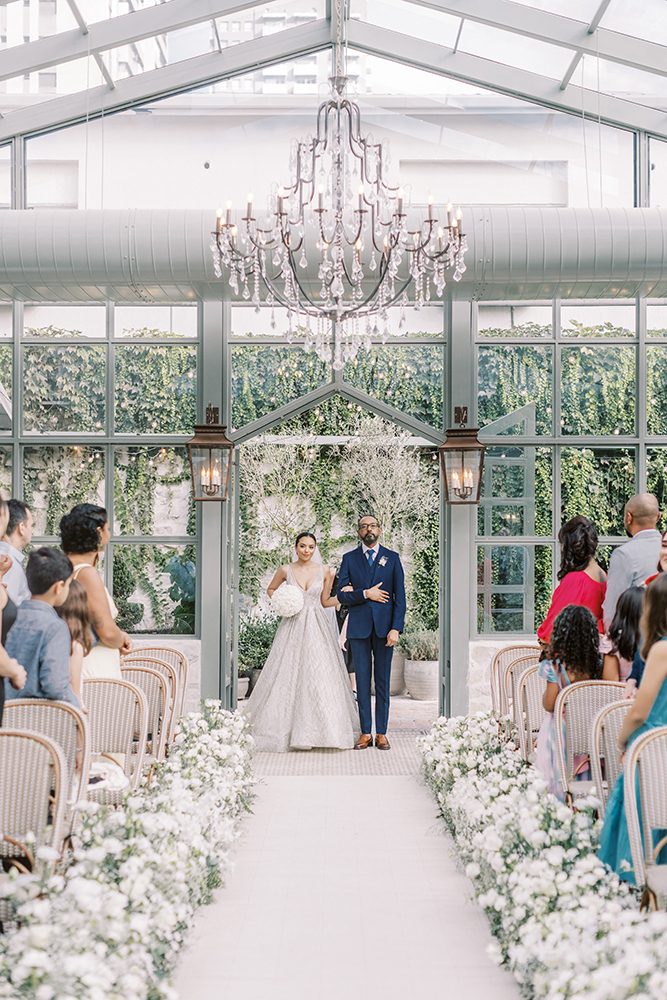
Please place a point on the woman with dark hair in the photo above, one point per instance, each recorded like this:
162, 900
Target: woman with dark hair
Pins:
646, 712
9, 668
582, 581
624, 636
84, 533
574, 656
303, 697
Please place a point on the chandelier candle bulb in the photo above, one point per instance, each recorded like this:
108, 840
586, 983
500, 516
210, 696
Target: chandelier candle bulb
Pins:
400, 201
440, 235
361, 197
320, 198
450, 215
228, 220
218, 221
459, 216
281, 195
430, 207
250, 205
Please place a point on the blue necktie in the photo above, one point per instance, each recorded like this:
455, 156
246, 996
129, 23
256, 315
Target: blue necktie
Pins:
370, 555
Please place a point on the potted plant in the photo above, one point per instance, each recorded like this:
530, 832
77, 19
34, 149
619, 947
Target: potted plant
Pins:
256, 635
422, 668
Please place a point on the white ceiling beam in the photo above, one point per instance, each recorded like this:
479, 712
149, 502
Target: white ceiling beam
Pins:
556, 30
158, 83
597, 17
504, 79
112, 33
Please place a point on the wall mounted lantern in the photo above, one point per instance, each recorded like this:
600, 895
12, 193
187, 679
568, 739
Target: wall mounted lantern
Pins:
462, 460
210, 453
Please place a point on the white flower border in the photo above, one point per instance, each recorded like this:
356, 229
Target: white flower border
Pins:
111, 927
564, 923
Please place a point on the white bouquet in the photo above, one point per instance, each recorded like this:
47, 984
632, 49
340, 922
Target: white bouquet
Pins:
287, 600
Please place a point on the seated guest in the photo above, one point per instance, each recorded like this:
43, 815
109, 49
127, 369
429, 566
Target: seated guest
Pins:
631, 564
76, 615
582, 581
662, 559
16, 537
38, 635
624, 636
9, 668
84, 533
574, 656
647, 711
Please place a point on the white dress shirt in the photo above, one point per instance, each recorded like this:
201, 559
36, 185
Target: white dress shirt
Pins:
14, 579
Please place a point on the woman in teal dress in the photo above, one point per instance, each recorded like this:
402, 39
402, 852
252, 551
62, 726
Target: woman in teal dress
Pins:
647, 711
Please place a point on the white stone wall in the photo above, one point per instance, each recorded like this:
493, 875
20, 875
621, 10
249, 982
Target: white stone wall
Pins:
191, 649
480, 656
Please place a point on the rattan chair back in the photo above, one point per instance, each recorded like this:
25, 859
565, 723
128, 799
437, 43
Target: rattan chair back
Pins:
156, 688
118, 726
606, 729
513, 675
499, 665
530, 690
577, 705
65, 725
171, 675
176, 659
33, 792
645, 778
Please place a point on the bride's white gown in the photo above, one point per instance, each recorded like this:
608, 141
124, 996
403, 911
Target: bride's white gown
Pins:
303, 697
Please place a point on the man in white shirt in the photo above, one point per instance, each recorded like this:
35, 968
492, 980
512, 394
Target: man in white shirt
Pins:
17, 537
632, 564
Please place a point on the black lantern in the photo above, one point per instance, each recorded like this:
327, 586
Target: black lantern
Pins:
210, 458
462, 459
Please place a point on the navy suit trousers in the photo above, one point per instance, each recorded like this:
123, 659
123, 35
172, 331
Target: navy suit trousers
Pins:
372, 657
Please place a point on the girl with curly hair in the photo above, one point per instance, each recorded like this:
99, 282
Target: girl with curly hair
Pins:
574, 656
582, 580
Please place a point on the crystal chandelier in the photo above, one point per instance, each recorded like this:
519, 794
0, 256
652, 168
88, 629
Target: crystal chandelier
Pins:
368, 253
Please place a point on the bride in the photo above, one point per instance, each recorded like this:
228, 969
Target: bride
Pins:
303, 697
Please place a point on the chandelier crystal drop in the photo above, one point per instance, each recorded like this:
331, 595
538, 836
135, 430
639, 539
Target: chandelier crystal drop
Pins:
340, 209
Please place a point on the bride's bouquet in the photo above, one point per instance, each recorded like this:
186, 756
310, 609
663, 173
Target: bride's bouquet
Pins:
287, 600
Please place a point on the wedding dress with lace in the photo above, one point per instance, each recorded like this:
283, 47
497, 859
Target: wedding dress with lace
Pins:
303, 697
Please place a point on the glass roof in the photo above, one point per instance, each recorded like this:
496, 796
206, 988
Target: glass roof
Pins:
177, 41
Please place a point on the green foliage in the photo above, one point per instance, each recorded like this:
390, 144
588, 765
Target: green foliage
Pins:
124, 584
138, 471
183, 593
598, 390
656, 389
519, 331
597, 482
256, 635
66, 476
423, 644
512, 376
64, 387
144, 567
156, 389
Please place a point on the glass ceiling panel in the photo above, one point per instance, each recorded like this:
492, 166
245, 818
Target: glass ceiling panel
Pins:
21, 23
419, 22
641, 18
103, 10
68, 78
623, 81
580, 10
514, 50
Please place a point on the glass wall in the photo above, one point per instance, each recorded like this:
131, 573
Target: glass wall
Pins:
99, 410
574, 425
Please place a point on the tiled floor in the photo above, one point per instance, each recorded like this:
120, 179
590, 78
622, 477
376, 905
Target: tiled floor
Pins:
343, 889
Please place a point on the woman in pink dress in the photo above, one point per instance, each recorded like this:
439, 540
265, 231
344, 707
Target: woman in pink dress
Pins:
582, 581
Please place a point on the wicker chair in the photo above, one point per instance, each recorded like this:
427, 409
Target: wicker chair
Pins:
513, 674
645, 779
33, 791
604, 747
530, 690
578, 704
118, 725
156, 688
499, 665
171, 676
66, 726
175, 659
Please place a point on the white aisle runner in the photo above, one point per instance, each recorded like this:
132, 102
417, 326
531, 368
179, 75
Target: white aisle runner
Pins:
344, 889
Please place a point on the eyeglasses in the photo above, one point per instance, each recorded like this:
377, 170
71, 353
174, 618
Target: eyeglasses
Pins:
369, 524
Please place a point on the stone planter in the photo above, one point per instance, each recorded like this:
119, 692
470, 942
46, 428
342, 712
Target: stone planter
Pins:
255, 675
242, 689
422, 679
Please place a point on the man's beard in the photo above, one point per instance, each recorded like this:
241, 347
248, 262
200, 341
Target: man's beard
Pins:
370, 540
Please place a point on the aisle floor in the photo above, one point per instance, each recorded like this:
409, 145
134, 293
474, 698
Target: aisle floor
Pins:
344, 888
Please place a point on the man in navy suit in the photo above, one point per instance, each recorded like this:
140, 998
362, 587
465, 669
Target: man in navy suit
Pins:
372, 585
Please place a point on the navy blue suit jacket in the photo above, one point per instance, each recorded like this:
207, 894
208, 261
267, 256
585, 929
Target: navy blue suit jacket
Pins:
365, 614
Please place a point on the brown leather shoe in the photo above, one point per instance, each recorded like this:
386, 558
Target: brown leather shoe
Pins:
382, 743
365, 740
